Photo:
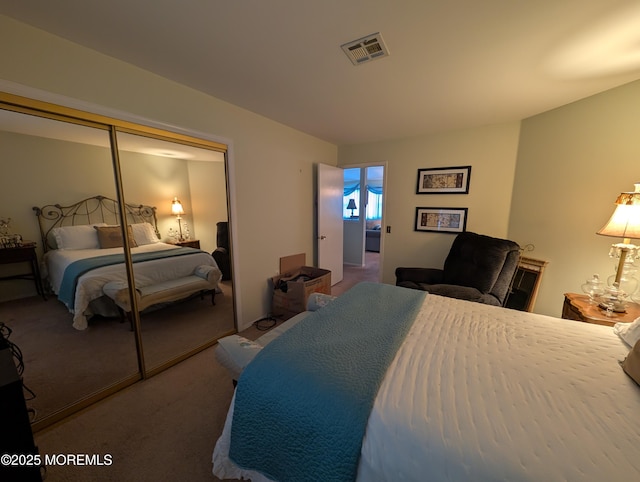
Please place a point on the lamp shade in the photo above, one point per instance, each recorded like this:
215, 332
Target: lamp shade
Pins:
352, 204
176, 207
625, 221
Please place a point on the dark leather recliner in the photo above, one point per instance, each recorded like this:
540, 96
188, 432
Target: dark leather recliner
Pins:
478, 268
222, 254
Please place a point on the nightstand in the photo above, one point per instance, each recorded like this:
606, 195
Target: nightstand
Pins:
189, 243
23, 254
577, 307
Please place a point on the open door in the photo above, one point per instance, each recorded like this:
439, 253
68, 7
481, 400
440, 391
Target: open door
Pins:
330, 227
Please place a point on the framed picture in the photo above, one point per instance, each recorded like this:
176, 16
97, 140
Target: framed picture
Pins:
444, 180
442, 220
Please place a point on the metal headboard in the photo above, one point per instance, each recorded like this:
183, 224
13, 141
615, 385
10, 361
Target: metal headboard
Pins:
96, 209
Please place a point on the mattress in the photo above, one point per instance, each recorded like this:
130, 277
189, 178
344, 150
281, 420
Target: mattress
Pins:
478, 392
90, 284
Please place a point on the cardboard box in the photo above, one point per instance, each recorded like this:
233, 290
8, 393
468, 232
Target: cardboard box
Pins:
294, 300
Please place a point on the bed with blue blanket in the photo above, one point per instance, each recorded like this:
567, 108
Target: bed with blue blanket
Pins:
83, 252
388, 383
81, 289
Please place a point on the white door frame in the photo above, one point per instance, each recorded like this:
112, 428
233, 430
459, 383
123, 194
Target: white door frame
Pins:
384, 164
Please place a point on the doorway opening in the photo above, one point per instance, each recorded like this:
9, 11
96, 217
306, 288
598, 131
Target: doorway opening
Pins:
363, 218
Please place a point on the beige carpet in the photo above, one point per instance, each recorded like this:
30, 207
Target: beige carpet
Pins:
64, 365
161, 429
352, 275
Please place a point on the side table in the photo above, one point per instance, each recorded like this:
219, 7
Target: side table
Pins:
189, 243
577, 307
24, 254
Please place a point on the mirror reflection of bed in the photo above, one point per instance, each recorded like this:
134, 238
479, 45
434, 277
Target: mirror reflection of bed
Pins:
63, 163
85, 240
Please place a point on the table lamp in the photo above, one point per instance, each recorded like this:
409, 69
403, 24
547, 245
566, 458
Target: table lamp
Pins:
178, 211
625, 223
352, 206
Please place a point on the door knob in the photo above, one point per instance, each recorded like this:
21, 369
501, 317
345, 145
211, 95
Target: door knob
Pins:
323, 237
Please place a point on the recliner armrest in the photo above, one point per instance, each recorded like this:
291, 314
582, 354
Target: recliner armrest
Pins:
419, 275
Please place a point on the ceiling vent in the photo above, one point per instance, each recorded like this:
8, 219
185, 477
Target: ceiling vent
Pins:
367, 48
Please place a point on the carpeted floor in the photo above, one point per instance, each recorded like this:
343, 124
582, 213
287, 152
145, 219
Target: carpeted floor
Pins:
64, 365
352, 275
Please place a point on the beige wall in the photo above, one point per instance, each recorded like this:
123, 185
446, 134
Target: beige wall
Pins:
38, 171
572, 164
549, 181
208, 200
273, 165
491, 151
155, 180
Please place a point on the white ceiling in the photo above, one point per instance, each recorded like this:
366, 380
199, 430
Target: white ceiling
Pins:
453, 63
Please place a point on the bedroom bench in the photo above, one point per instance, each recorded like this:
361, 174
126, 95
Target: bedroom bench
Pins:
204, 278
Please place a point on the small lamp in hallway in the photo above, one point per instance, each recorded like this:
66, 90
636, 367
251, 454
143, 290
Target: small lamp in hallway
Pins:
352, 206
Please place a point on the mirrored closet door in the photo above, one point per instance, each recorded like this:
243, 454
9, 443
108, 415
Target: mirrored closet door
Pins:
48, 165
67, 179
186, 185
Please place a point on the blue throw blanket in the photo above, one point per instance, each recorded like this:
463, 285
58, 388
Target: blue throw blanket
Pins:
302, 405
67, 292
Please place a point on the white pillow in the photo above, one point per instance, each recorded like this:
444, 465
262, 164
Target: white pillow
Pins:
144, 233
238, 351
318, 300
629, 332
77, 237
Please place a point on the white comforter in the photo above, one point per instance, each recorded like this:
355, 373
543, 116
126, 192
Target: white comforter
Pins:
90, 284
478, 392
